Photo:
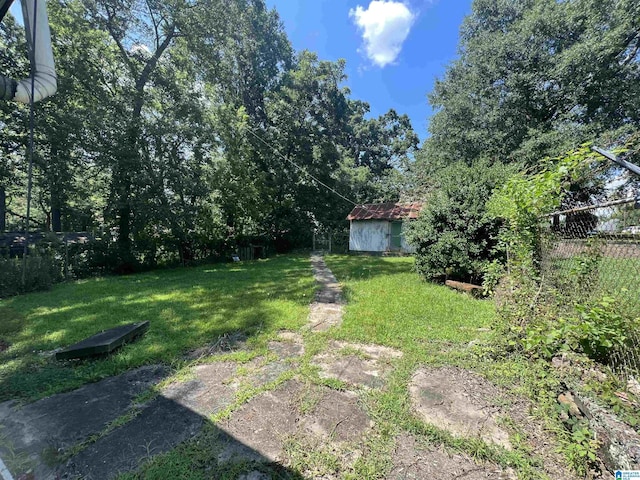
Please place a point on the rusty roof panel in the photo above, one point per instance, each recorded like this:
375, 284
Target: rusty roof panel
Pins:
385, 211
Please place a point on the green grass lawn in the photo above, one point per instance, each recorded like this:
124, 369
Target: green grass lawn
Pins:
387, 304
390, 304
187, 308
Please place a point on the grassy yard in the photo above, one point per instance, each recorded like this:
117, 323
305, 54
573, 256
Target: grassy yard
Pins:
433, 325
387, 304
613, 277
187, 308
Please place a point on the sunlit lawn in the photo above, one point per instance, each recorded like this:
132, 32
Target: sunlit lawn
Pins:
187, 308
389, 304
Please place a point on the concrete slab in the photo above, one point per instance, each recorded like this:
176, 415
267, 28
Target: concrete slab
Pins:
376, 352
261, 425
162, 424
338, 417
323, 316
255, 475
367, 366
61, 421
212, 389
103, 342
289, 345
458, 401
269, 373
330, 290
258, 430
350, 369
413, 461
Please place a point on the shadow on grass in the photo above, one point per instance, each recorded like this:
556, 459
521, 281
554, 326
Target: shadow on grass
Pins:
187, 308
154, 444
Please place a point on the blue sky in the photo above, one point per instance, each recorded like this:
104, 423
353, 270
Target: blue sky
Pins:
394, 49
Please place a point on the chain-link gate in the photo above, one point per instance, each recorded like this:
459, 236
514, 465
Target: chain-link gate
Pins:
331, 241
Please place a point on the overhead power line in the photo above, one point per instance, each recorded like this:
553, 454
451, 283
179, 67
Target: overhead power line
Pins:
273, 149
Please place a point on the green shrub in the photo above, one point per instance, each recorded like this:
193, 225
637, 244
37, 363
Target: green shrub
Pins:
597, 330
42, 271
601, 330
454, 237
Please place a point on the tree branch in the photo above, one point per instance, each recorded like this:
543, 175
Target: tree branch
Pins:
123, 51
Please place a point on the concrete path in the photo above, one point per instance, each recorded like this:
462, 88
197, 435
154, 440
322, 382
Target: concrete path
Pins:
327, 309
34, 438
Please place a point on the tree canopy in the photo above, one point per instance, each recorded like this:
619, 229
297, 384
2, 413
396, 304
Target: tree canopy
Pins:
181, 129
535, 78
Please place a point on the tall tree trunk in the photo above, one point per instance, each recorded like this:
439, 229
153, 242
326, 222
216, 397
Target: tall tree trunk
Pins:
56, 218
128, 163
127, 168
56, 189
3, 209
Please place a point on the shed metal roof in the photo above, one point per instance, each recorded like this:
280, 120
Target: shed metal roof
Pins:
385, 211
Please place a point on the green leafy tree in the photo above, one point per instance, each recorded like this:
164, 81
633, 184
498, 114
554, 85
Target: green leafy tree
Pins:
453, 236
13, 123
536, 78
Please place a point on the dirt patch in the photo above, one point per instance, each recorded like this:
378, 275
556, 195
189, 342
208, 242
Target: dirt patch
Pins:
356, 364
262, 426
460, 402
412, 461
212, 389
467, 404
4, 345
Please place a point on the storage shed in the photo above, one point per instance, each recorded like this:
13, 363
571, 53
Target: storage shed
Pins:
379, 227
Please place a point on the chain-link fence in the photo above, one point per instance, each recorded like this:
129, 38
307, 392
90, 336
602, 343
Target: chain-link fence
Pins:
590, 256
331, 241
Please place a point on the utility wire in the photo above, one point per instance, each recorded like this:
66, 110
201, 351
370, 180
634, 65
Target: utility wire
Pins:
30, 147
302, 169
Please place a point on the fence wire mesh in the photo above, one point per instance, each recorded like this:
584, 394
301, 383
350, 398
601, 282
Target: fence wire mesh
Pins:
590, 252
331, 241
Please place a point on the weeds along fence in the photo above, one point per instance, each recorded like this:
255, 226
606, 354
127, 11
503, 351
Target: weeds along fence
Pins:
590, 253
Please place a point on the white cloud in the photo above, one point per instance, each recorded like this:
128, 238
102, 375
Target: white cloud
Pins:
385, 26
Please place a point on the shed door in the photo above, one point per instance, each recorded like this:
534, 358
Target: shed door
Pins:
396, 235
